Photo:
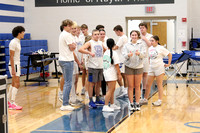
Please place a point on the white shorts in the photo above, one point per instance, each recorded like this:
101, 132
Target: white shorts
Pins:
156, 71
146, 65
17, 70
110, 76
75, 71
122, 67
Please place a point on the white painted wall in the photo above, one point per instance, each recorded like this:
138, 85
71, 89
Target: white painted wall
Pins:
44, 22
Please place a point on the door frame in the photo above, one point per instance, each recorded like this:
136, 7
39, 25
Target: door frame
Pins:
149, 18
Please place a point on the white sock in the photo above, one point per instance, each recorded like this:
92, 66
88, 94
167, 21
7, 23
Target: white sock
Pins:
14, 93
159, 100
10, 93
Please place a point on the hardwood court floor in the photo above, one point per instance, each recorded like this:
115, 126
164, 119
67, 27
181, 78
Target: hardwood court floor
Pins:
180, 106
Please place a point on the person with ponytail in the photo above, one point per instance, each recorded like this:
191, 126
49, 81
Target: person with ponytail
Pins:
134, 53
111, 73
156, 69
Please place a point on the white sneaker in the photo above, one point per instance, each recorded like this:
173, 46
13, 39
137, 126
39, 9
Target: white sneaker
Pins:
83, 91
157, 103
143, 101
106, 108
115, 107
86, 95
132, 107
67, 107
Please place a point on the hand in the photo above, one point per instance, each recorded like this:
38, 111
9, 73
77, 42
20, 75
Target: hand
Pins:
137, 53
92, 54
167, 65
119, 77
13, 73
130, 54
80, 66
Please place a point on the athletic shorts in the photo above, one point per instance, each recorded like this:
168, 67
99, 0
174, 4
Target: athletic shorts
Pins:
156, 71
122, 67
131, 71
146, 65
17, 70
95, 75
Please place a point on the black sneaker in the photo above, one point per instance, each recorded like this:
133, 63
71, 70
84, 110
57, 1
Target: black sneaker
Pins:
137, 107
132, 107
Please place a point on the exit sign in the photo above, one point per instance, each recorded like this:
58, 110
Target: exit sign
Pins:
150, 9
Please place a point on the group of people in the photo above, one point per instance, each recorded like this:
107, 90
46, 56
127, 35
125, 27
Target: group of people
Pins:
103, 63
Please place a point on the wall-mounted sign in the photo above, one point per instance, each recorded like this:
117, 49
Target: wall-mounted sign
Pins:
45, 3
149, 9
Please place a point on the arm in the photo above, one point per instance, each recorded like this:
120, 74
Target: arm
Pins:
84, 51
169, 60
115, 47
72, 46
77, 61
118, 72
12, 53
146, 41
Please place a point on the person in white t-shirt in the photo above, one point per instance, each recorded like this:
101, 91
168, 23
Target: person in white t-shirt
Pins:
146, 39
156, 69
123, 39
74, 100
94, 48
14, 66
134, 53
84, 36
66, 61
111, 73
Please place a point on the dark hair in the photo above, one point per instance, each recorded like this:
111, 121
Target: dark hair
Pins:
155, 38
118, 28
61, 28
143, 24
98, 27
17, 30
111, 43
102, 30
84, 26
138, 33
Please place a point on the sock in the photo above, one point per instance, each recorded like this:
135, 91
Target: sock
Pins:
10, 93
159, 100
97, 98
14, 93
91, 100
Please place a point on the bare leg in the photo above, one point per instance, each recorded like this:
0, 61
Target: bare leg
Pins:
159, 80
138, 79
130, 79
148, 87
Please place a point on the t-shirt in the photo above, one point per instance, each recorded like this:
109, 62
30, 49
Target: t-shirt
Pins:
15, 46
65, 54
79, 45
96, 62
108, 68
156, 55
148, 36
120, 43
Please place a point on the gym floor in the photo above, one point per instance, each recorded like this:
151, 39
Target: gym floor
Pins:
41, 113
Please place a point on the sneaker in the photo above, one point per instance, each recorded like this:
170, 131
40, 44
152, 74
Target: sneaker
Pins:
143, 101
132, 107
14, 106
157, 103
86, 95
79, 99
115, 107
83, 91
9, 104
67, 107
137, 107
106, 108
92, 105
100, 102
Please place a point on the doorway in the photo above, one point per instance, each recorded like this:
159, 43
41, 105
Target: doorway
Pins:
164, 27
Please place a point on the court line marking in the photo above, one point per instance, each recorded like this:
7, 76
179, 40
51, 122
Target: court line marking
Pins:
188, 124
65, 131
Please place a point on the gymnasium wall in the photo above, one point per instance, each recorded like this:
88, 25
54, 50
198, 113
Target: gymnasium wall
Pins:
11, 14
